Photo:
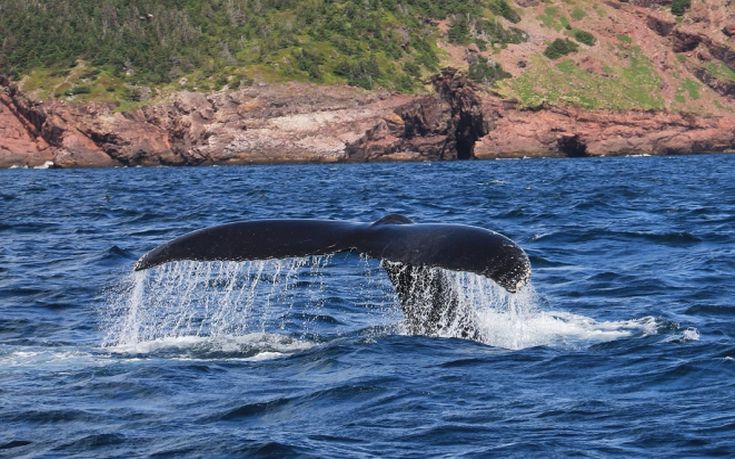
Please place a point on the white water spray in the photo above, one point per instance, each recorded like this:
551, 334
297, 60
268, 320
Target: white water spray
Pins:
515, 321
270, 305
214, 299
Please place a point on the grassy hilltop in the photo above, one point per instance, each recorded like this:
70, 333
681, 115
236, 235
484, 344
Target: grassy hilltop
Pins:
575, 52
212, 43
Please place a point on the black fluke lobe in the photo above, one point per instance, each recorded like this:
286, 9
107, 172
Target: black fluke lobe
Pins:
394, 239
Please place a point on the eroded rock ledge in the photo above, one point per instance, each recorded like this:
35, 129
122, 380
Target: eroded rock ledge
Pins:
441, 127
559, 131
299, 122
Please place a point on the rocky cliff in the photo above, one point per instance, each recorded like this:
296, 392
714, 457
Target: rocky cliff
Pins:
305, 123
293, 122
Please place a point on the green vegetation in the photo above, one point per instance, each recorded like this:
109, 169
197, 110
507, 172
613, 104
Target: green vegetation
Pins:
501, 8
692, 88
584, 37
206, 45
549, 18
485, 72
464, 30
720, 71
625, 39
560, 47
688, 88
83, 84
632, 85
553, 19
128, 52
679, 7
578, 13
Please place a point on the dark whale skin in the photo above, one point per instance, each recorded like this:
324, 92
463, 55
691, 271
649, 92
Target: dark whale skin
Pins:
393, 238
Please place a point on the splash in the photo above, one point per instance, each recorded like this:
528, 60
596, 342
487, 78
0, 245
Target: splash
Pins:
269, 308
249, 347
215, 299
515, 321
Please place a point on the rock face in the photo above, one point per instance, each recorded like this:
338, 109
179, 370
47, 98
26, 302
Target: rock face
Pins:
445, 126
662, 26
50, 134
284, 123
724, 87
647, 3
297, 122
20, 143
691, 38
577, 132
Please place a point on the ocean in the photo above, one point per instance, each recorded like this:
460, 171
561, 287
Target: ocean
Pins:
622, 345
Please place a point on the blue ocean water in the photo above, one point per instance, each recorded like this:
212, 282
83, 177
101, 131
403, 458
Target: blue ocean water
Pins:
624, 345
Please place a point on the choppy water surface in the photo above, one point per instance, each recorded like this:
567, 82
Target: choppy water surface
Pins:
622, 345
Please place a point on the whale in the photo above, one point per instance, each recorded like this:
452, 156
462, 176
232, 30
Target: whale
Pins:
414, 256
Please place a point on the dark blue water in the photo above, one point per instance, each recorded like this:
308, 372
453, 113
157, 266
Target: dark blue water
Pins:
626, 348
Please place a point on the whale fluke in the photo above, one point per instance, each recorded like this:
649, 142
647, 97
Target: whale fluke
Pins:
408, 252
394, 238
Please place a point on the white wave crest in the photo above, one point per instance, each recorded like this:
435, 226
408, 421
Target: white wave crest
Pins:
253, 346
46, 165
556, 329
688, 334
49, 358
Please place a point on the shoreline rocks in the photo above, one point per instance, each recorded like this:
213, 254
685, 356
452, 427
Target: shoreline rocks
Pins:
301, 123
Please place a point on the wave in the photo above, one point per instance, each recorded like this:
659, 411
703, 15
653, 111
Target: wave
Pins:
46, 165
688, 334
557, 329
255, 347
674, 238
250, 347
12, 357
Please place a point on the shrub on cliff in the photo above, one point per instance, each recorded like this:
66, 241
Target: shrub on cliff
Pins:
496, 33
501, 8
361, 72
77, 90
465, 29
584, 37
486, 72
560, 47
459, 30
679, 7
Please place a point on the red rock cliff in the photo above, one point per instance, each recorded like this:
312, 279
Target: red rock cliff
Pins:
305, 123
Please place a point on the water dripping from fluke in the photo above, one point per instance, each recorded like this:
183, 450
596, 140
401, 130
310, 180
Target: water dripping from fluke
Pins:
272, 308
213, 306
515, 321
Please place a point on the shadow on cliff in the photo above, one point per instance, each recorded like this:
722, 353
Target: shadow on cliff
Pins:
444, 126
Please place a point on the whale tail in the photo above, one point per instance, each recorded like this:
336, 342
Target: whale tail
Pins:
393, 238
409, 252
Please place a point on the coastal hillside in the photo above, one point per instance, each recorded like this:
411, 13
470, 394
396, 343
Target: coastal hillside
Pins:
83, 76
